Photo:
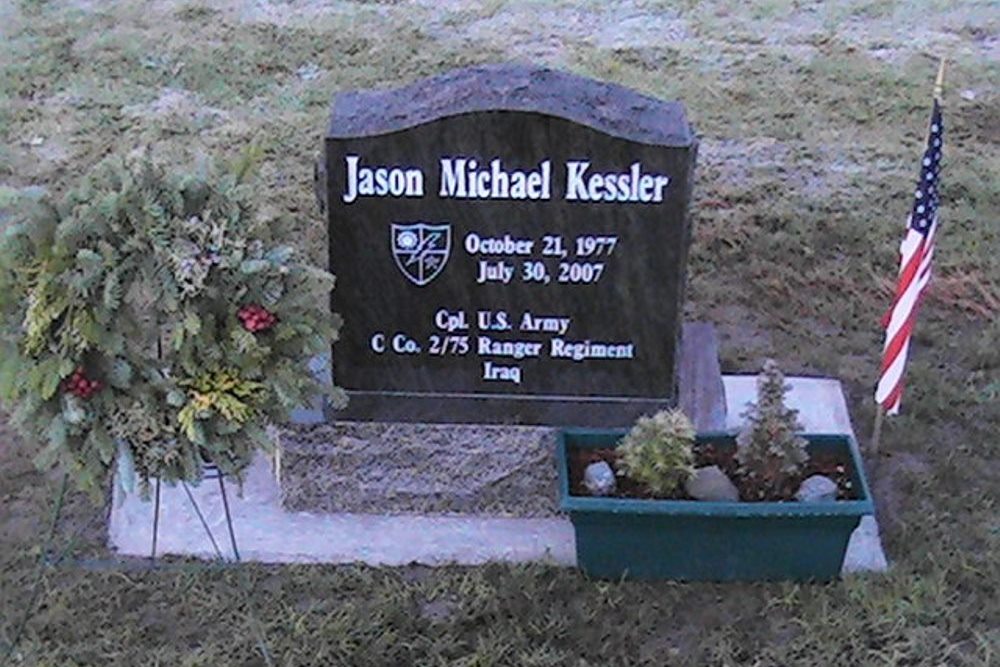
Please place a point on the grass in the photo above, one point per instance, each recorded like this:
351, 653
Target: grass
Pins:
809, 148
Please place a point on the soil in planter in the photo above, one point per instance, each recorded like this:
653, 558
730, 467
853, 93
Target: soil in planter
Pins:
834, 466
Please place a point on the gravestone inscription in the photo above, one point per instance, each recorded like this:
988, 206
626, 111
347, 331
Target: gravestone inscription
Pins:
510, 246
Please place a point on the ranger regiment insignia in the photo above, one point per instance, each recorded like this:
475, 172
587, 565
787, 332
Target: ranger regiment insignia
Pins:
421, 250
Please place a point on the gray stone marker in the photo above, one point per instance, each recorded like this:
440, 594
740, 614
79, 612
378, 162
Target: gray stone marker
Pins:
510, 247
267, 532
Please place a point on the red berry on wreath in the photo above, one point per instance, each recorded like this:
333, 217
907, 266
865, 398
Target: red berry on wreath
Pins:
256, 318
80, 386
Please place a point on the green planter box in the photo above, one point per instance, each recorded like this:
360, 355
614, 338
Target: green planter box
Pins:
711, 541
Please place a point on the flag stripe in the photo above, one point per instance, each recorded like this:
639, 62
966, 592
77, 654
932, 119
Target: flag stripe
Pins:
899, 330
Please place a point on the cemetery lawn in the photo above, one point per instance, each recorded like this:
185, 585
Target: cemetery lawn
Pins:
812, 118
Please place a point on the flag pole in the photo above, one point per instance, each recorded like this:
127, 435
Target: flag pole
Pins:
876, 429
939, 82
879, 410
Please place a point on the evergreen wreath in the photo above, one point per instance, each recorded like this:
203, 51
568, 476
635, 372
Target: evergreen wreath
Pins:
150, 317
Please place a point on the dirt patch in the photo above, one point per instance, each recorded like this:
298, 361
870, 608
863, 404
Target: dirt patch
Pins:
891, 478
437, 611
180, 109
744, 341
835, 467
19, 509
27, 500
636, 26
815, 172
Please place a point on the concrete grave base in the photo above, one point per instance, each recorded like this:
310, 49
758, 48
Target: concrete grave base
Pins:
266, 532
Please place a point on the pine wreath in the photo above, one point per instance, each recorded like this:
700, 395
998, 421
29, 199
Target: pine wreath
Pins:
150, 317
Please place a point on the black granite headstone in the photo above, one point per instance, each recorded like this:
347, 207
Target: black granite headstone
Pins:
510, 246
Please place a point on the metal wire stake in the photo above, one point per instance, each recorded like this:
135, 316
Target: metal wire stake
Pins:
156, 520
204, 523
29, 611
229, 518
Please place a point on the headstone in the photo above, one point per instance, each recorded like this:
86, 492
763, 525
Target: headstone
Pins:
510, 246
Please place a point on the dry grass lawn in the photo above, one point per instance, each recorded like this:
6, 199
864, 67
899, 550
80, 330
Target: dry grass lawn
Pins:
812, 115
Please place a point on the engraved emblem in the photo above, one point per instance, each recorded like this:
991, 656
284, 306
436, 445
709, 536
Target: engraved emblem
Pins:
420, 250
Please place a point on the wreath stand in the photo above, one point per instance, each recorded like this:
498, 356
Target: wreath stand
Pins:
210, 472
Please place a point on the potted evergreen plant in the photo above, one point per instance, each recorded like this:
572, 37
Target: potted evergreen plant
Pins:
759, 515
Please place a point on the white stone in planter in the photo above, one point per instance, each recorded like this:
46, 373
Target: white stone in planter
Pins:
817, 489
710, 483
599, 479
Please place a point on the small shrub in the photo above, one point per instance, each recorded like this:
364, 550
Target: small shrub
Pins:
769, 451
658, 451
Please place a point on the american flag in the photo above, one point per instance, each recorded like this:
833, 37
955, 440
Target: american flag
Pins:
917, 251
